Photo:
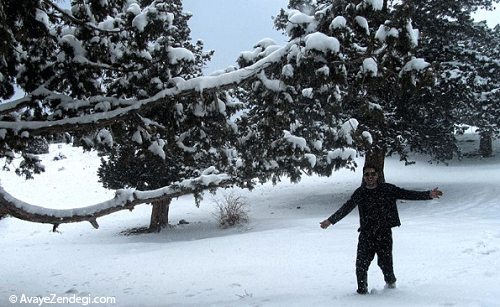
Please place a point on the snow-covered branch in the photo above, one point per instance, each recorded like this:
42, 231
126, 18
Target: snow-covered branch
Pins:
66, 14
124, 199
127, 108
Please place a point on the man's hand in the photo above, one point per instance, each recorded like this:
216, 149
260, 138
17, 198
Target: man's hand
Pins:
436, 193
325, 224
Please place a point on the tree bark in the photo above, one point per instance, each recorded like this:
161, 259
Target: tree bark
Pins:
376, 156
159, 215
486, 144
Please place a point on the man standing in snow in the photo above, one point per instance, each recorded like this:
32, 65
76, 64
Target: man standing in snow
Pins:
378, 213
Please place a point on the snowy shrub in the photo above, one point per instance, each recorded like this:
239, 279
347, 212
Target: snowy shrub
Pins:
38, 146
231, 210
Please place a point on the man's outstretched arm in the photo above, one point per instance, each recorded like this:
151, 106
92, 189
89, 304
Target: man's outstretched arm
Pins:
400, 193
436, 193
339, 214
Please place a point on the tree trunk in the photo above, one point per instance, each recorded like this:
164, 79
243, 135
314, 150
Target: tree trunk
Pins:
376, 156
159, 215
486, 144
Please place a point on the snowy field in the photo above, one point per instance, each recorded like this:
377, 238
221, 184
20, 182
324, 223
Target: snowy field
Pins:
447, 251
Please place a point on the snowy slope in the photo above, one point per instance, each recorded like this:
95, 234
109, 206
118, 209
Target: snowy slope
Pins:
447, 252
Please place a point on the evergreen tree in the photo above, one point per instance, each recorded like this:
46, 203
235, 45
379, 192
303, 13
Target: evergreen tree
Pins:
176, 140
101, 59
468, 53
341, 87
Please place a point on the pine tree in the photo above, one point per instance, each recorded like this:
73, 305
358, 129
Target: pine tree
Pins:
342, 87
98, 64
468, 54
149, 152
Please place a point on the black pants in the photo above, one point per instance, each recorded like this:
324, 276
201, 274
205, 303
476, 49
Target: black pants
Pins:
370, 243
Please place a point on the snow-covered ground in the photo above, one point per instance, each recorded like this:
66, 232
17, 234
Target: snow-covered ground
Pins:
447, 252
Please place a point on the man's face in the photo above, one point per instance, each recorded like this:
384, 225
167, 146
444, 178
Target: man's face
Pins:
370, 177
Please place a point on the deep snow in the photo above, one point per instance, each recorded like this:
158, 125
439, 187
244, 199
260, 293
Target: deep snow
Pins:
447, 251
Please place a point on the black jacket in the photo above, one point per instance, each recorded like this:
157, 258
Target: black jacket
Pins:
377, 207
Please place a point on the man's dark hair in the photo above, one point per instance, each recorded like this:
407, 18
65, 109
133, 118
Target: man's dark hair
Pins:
370, 166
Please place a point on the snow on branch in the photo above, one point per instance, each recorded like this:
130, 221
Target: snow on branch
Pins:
67, 15
124, 199
129, 107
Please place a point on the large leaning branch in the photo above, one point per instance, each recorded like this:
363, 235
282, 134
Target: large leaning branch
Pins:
188, 87
124, 199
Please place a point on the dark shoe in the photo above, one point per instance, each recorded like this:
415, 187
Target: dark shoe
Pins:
390, 285
362, 291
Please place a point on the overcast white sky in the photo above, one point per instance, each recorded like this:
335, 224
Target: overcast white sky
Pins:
492, 17
232, 26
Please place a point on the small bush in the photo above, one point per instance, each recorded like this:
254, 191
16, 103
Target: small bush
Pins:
231, 210
38, 146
